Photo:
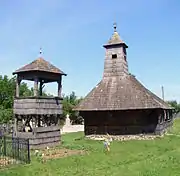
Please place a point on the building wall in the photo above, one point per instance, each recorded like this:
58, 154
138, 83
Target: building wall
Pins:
122, 122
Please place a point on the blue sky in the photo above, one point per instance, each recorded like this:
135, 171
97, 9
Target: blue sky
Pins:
71, 34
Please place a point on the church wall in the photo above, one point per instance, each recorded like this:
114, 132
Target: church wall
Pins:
124, 122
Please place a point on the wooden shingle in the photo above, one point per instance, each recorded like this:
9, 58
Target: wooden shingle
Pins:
121, 94
40, 65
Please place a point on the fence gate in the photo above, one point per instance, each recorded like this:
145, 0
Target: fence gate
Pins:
14, 151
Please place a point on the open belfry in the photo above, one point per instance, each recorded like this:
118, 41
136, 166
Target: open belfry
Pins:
37, 117
120, 104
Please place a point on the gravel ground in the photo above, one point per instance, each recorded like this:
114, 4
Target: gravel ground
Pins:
72, 128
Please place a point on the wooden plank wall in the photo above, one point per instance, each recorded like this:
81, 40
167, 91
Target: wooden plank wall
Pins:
124, 122
42, 136
37, 106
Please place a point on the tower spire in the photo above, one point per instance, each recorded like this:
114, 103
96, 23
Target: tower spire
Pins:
115, 38
40, 51
115, 26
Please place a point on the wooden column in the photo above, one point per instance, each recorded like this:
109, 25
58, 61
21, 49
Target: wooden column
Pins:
159, 118
59, 87
167, 114
18, 81
170, 114
35, 86
40, 88
15, 124
39, 120
58, 119
164, 115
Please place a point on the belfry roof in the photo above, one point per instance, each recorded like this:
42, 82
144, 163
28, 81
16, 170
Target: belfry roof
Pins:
40, 65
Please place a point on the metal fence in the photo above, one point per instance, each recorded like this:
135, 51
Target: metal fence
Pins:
13, 151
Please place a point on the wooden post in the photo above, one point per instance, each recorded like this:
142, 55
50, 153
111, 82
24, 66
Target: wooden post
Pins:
39, 120
28, 147
40, 88
165, 115
35, 86
18, 81
168, 115
159, 118
4, 140
59, 87
15, 124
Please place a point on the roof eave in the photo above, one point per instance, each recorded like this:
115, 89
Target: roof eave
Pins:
14, 73
123, 109
114, 44
17, 72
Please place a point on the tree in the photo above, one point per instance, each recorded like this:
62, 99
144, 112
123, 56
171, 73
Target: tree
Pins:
25, 91
7, 92
175, 105
69, 102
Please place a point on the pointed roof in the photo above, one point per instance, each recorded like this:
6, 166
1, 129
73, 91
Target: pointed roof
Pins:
125, 93
115, 39
40, 65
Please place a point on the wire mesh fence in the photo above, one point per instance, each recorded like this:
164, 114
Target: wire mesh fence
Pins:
13, 151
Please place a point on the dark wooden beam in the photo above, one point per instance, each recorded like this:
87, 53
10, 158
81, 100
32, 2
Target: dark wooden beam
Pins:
59, 87
35, 86
18, 82
41, 87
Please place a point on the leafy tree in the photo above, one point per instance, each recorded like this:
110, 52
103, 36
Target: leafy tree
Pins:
5, 114
7, 92
69, 102
25, 91
175, 105
7, 87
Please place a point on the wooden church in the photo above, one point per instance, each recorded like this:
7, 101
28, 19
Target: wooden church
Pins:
120, 104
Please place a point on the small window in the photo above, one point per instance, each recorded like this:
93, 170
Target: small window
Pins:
114, 56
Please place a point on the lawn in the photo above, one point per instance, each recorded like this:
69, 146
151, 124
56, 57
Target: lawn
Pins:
130, 158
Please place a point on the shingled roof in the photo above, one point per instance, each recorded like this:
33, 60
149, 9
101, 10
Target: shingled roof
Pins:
119, 90
40, 65
120, 94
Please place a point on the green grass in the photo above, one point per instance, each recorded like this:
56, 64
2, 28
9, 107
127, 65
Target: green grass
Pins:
131, 158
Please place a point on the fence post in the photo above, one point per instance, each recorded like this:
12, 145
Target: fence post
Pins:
1, 146
18, 148
28, 147
4, 145
13, 153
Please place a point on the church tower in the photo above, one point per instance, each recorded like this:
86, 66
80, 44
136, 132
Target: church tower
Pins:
115, 56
